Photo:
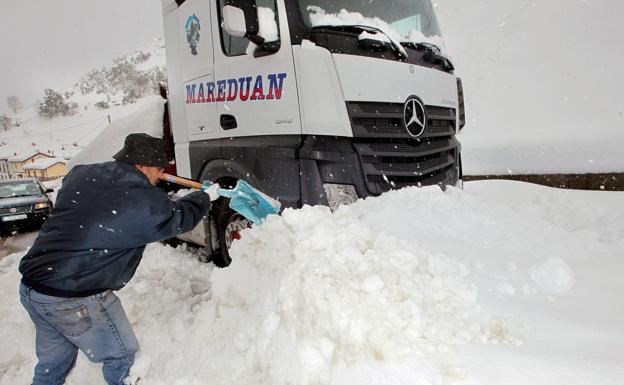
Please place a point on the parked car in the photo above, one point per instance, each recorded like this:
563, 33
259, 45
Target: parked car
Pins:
24, 204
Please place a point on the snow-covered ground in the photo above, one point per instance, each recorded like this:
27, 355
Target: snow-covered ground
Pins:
64, 136
501, 283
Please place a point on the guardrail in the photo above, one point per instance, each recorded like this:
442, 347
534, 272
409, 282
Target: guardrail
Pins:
604, 182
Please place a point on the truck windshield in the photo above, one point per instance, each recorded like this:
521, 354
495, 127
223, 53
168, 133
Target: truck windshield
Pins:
401, 20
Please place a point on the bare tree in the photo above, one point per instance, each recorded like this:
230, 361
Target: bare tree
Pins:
14, 103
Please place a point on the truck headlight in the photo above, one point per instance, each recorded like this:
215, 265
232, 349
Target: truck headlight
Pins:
42, 205
339, 194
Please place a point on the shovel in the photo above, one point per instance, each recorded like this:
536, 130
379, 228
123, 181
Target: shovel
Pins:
244, 199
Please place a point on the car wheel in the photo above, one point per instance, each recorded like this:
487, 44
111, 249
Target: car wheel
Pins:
230, 224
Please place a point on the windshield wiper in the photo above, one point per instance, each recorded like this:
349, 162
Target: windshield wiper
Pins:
422, 46
396, 47
433, 53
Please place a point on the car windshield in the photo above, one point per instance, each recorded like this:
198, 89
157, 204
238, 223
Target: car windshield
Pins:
402, 20
20, 189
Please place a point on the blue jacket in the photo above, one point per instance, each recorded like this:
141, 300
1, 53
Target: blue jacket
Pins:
105, 214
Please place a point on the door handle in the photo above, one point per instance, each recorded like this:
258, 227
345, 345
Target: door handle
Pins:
228, 122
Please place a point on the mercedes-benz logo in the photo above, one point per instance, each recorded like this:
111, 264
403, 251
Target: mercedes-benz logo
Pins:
13, 210
414, 117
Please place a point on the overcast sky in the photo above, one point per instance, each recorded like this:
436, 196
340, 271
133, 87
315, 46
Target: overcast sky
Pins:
51, 43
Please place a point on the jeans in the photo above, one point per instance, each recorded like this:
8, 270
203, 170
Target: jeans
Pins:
97, 325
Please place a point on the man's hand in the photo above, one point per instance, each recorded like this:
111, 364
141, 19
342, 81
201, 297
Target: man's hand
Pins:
212, 191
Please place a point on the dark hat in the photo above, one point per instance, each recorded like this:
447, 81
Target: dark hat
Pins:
144, 150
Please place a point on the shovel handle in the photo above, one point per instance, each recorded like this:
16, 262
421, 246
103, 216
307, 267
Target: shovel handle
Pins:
182, 181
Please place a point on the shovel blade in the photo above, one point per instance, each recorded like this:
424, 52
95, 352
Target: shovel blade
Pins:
250, 202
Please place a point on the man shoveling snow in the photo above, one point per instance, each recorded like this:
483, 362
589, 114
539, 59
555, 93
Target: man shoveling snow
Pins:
92, 244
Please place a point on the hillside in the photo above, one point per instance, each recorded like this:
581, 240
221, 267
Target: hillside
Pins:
79, 114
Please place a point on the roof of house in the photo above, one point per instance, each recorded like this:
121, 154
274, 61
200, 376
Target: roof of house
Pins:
44, 163
27, 155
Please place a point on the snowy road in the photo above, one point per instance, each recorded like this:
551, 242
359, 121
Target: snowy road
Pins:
502, 282
14, 243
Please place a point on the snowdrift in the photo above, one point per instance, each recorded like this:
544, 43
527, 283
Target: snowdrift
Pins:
417, 286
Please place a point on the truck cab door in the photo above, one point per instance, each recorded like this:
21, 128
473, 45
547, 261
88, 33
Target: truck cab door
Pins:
196, 63
255, 95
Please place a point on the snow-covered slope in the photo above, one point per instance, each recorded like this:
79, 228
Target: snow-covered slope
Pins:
146, 119
111, 92
543, 83
501, 283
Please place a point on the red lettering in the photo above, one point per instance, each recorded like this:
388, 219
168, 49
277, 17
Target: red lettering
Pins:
232, 89
201, 98
211, 88
221, 91
258, 92
276, 86
244, 88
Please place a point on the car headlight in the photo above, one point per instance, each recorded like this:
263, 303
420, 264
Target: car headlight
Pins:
42, 205
339, 194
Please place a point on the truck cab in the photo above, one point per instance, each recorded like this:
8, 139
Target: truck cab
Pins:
310, 101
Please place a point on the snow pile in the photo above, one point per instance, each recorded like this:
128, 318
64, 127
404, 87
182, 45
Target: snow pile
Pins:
313, 290
170, 291
16, 335
480, 286
553, 276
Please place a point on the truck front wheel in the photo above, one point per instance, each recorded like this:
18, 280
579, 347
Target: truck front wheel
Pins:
229, 227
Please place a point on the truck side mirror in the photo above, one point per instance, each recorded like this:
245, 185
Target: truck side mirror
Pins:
234, 21
240, 18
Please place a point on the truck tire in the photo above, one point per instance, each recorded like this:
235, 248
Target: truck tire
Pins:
229, 225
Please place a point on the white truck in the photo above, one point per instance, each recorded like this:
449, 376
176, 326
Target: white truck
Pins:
311, 101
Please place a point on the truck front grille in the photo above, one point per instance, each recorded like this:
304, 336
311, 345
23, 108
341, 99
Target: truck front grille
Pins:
391, 158
375, 119
18, 210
